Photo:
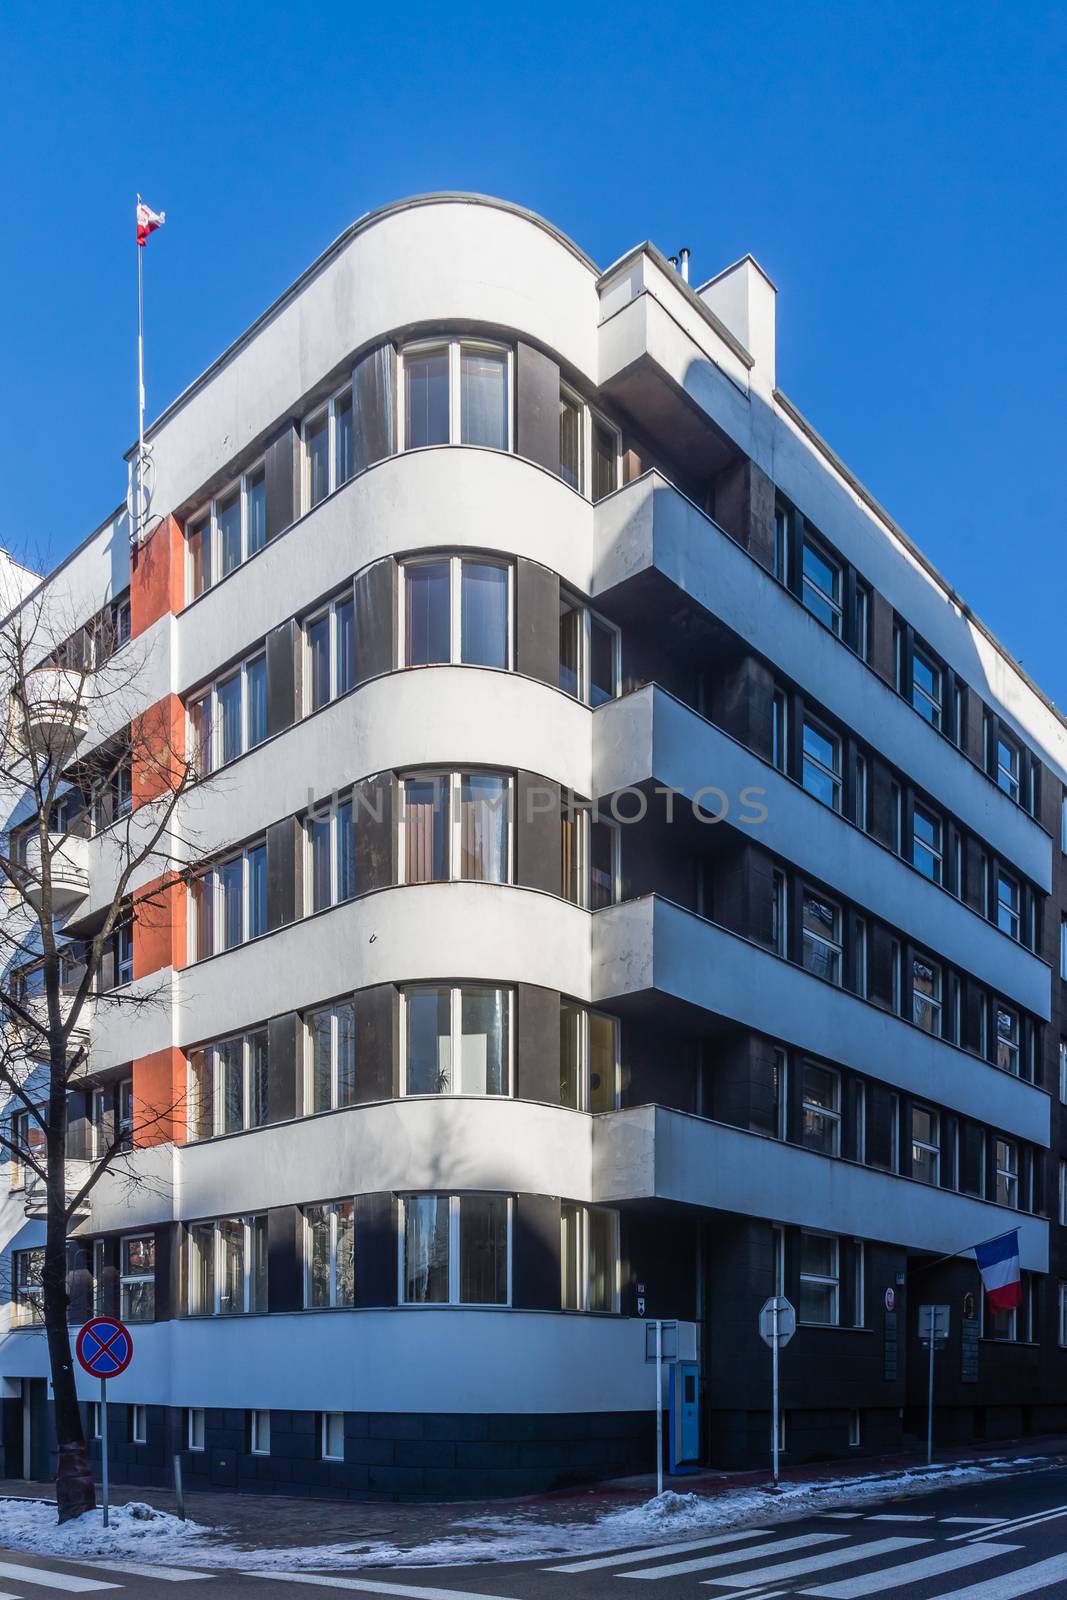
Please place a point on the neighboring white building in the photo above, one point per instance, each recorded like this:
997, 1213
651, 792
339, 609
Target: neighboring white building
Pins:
632, 885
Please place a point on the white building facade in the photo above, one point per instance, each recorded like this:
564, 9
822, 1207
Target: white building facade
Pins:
625, 882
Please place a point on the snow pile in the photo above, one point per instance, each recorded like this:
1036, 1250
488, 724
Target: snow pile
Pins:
136, 1531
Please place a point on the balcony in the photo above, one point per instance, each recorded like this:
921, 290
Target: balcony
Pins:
56, 717
36, 1193
69, 855
36, 1006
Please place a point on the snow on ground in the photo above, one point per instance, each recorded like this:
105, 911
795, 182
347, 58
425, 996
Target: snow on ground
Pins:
138, 1532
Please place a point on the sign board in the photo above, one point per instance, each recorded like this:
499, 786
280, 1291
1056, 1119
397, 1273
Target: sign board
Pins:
787, 1320
104, 1347
933, 1324
669, 1337
891, 1299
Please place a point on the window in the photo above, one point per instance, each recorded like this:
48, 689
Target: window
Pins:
227, 1267
1008, 919
1015, 1325
456, 1040
124, 1128
28, 1137
1063, 1194
589, 1258
332, 1436
926, 851
1008, 765
821, 774
821, 943
780, 730
820, 1278
194, 1428
229, 718
1063, 948
780, 1092
137, 1278
571, 429
925, 1145
1063, 1314
138, 1424
821, 586
820, 1109
859, 957
926, 687
232, 528
854, 1429
781, 542
456, 609
28, 1281
328, 448
1005, 1172
861, 808
329, 653
926, 1006
259, 1433
859, 1283
228, 1086
122, 950
589, 1058
456, 392
330, 866
863, 621
778, 913
330, 1254
230, 903
1063, 1072
1008, 1040
456, 825
455, 1249
95, 1420
586, 437
330, 1058
589, 857
588, 653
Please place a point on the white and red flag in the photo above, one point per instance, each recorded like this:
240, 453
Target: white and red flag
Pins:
148, 221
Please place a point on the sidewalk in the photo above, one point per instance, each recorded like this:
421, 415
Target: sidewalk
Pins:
254, 1522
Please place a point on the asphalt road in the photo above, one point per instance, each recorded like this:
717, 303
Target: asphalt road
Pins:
989, 1541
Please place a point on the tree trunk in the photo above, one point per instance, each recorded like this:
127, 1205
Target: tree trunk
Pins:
75, 1491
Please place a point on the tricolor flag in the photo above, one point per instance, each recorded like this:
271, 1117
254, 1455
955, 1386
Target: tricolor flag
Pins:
998, 1262
147, 222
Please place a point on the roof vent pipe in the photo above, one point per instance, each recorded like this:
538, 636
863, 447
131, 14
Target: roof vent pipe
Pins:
684, 257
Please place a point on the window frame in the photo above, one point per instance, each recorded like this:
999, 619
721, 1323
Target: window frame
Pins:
333, 1209
1011, 1043
329, 610
823, 1280
27, 1295
454, 779
931, 1147
208, 513
833, 602
1008, 909
138, 1424
455, 345
1006, 1172
830, 1116
194, 1098
195, 1437
930, 706
456, 561
589, 417
588, 618
455, 1267
209, 696
933, 1005
333, 1009
586, 1013
834, 945
578, 816
334, 817
210, 883
256, 1426
248, 1221
935, 852
130, 1280
329, 409
1008, 776
807, 758
324, 1435
583, 1275
456, 992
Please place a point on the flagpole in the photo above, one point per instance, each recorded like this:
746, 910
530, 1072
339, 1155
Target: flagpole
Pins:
138, 527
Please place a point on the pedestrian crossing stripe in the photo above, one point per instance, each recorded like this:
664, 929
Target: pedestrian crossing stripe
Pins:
69, 1582
729, 1558
622, 1558
829, 1558
909, 1572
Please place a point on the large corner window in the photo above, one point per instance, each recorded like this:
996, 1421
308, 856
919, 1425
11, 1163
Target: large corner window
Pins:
456, 825
329, 1255
330, 1057
329, 653
589, 1258
821, 936
456, 1039
455, 1249
229, 903
589, 651
588, 1058
456, 391
230, 717
327, 440
228, 1086
821, 585
589, 857
226, 1267
456, 609
232, 527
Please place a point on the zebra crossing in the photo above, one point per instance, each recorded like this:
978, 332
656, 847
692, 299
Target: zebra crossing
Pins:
893, 1553
32, 1578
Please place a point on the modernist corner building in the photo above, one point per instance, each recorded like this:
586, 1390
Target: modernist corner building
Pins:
630, 884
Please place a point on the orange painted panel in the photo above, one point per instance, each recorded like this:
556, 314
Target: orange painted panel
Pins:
159, 938
157, 576
159, 1088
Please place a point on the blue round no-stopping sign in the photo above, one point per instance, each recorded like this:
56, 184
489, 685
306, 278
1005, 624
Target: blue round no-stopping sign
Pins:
104, 1347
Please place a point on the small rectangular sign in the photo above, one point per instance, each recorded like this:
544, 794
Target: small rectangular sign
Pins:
933, 1323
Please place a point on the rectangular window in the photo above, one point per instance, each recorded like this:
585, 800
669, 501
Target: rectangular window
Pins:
329, 644
456, 1040
138, 1424
589, 1258
1063, 1314
95, 1420
456, 825
330, 1255
137, 1261
1008, 918
863, 621
821, 927
603, 458
227, 532
820, 1278
259, 1433
779, 923
28, 1282
571, 428
1008, 767
226, 1267
230, 717
589, 857
330, 861
330, 1059
926, 849
1063, 1194
820, 1109
1005, 1173
332, 1436
781, 543
458, 392
821, 774
227, 1086
194, 1428
230, 903
589, 1058
456, 609
925, 1145
328, 458
926, 684
854, 1430
926, 1003
484, 397
456, 1250
1009, 1054
1063, 1072
588, 653
821, 586
780, 730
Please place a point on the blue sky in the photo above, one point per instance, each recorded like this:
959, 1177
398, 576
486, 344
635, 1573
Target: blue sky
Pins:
897, 168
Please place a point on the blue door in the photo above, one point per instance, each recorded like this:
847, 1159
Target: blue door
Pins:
688, 1412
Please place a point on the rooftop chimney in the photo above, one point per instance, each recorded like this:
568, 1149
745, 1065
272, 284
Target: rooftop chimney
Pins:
684, 258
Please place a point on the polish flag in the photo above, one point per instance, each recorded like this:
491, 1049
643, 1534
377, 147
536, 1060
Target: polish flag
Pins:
998, 1263
147, 222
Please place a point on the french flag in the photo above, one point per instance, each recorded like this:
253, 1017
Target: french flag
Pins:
998, 1262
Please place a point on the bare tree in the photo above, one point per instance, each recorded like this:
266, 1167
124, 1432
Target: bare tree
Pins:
63, 692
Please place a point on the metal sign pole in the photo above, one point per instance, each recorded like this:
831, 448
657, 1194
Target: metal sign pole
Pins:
103, 1444
659, 1407
774, 1396
930, 1405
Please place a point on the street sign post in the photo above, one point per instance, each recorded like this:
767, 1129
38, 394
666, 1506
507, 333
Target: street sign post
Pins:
933, 1331
777, 1325
104, 1348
